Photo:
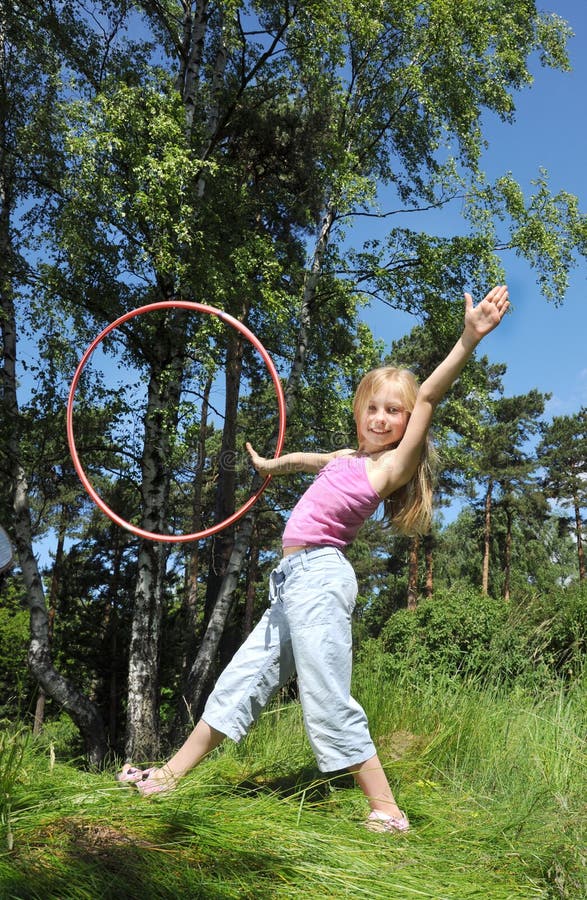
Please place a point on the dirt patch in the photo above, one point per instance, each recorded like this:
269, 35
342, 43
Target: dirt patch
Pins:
398, 744
96, 839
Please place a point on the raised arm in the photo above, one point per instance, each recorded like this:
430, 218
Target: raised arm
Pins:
292, 462
479, 321
402, 463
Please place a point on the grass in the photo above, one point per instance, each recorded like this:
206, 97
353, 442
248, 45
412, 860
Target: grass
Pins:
494, 785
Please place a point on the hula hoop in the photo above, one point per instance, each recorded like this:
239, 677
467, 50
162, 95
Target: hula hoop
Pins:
234, 323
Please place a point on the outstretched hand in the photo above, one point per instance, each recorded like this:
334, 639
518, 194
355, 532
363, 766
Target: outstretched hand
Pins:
483, 318
261, 464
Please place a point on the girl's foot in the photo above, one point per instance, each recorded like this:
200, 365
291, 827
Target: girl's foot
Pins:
130, 774
156, 781
381, 821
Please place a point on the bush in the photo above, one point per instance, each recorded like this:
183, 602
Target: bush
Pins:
450, 633
463, 632
551, 631
566, 647
16, 683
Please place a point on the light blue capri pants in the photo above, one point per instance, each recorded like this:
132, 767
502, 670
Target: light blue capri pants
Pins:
307, 629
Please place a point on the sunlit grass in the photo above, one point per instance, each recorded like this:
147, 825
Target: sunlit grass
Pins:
494, 785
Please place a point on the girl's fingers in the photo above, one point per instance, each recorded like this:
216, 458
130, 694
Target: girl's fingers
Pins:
499, 296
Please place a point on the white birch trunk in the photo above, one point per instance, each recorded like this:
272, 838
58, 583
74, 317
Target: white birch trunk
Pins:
142, 729
84, 713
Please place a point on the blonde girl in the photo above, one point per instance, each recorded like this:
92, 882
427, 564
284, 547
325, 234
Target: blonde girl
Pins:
307, 628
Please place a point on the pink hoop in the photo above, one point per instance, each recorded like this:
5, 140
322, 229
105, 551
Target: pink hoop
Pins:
198, 307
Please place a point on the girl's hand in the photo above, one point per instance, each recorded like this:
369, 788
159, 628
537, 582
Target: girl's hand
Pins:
483, 318
262, 465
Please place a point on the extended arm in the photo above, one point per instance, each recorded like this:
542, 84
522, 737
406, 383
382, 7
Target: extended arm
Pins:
292, 462
479, 321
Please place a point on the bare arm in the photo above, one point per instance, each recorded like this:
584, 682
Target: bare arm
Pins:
293, 462
398, 466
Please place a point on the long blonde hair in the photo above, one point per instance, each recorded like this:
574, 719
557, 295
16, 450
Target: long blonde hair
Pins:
409, 509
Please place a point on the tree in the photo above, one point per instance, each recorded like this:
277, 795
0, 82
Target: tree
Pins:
519, 499
503, 461
563, 454
24, 97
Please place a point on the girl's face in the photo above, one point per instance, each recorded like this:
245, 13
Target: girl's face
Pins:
382, 422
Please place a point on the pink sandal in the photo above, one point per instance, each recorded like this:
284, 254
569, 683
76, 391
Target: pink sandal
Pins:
380, 821
131, 775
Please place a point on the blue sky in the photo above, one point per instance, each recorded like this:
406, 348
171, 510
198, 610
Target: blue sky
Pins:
542, 345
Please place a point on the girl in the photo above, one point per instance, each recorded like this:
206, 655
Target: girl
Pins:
307, 628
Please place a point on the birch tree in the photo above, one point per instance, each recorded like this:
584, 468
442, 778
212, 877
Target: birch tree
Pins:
24, 97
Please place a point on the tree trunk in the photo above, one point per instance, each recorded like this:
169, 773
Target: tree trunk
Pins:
413, 572
53, 593
111, 626
194, 33
250, 592
222, 543
487, 539
191, 592
84, 713
113, 683
579, 538
507, 563
429, 557
142, 729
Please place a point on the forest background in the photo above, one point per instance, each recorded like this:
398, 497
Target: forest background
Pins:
237, 155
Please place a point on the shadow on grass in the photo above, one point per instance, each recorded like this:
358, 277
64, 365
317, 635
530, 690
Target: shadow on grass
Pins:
315, 785
75, 860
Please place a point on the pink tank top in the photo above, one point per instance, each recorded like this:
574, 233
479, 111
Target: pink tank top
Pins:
335, 505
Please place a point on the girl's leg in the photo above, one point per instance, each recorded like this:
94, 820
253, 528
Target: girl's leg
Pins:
261, 665
372, 780
200, 742
319, 602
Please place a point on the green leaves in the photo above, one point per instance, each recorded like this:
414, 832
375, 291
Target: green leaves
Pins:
563, 452
132, 175
547, 229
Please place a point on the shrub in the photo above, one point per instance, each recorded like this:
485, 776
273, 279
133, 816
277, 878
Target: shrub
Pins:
16, 684
450, 633
463, 632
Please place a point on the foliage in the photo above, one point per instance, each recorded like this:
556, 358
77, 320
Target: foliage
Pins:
450, 633
16, 685
466, 633
563, 453
547, 229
